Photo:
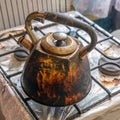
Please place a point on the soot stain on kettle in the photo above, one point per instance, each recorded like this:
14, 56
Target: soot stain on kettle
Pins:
54, 81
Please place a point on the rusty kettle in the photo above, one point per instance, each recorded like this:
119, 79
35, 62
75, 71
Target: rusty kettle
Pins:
57, 72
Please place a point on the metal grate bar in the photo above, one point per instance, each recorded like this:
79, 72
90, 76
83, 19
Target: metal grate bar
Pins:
97, 48
104, 88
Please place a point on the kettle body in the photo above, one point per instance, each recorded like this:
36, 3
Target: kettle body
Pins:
57, 75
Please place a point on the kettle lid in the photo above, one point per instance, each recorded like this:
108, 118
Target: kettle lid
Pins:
58, 43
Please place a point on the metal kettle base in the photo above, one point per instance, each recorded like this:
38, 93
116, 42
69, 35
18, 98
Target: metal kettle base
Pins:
56, 102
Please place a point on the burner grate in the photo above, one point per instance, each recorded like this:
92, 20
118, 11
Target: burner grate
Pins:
75, 33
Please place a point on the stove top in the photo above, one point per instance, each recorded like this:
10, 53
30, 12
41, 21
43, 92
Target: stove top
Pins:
105, 55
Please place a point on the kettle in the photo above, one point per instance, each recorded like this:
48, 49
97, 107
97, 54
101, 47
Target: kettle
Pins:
57, 71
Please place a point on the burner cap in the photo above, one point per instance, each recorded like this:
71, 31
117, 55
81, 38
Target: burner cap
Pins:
20, 54
110, 68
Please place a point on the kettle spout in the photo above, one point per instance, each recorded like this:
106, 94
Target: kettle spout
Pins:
25, 43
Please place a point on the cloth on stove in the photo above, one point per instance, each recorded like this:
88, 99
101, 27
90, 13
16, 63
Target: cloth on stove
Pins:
11, 107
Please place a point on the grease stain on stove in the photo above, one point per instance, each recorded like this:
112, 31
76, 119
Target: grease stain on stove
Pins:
1, 46
113, 51
114, 82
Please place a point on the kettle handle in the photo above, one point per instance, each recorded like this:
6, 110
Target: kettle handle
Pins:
62, 19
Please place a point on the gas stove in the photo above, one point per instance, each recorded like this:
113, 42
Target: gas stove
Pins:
104, 65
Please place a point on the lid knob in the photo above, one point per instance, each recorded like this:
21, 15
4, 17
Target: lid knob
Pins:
59, 39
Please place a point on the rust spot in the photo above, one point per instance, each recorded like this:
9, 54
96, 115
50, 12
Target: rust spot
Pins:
114, 82
38, 93
1, 46
70, 99
53, 80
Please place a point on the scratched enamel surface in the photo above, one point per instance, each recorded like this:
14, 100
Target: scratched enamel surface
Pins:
10, 64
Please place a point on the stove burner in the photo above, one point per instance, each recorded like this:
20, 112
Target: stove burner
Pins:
109, 66
20, 54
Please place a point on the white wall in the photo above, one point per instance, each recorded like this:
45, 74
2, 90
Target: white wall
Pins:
14, 12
